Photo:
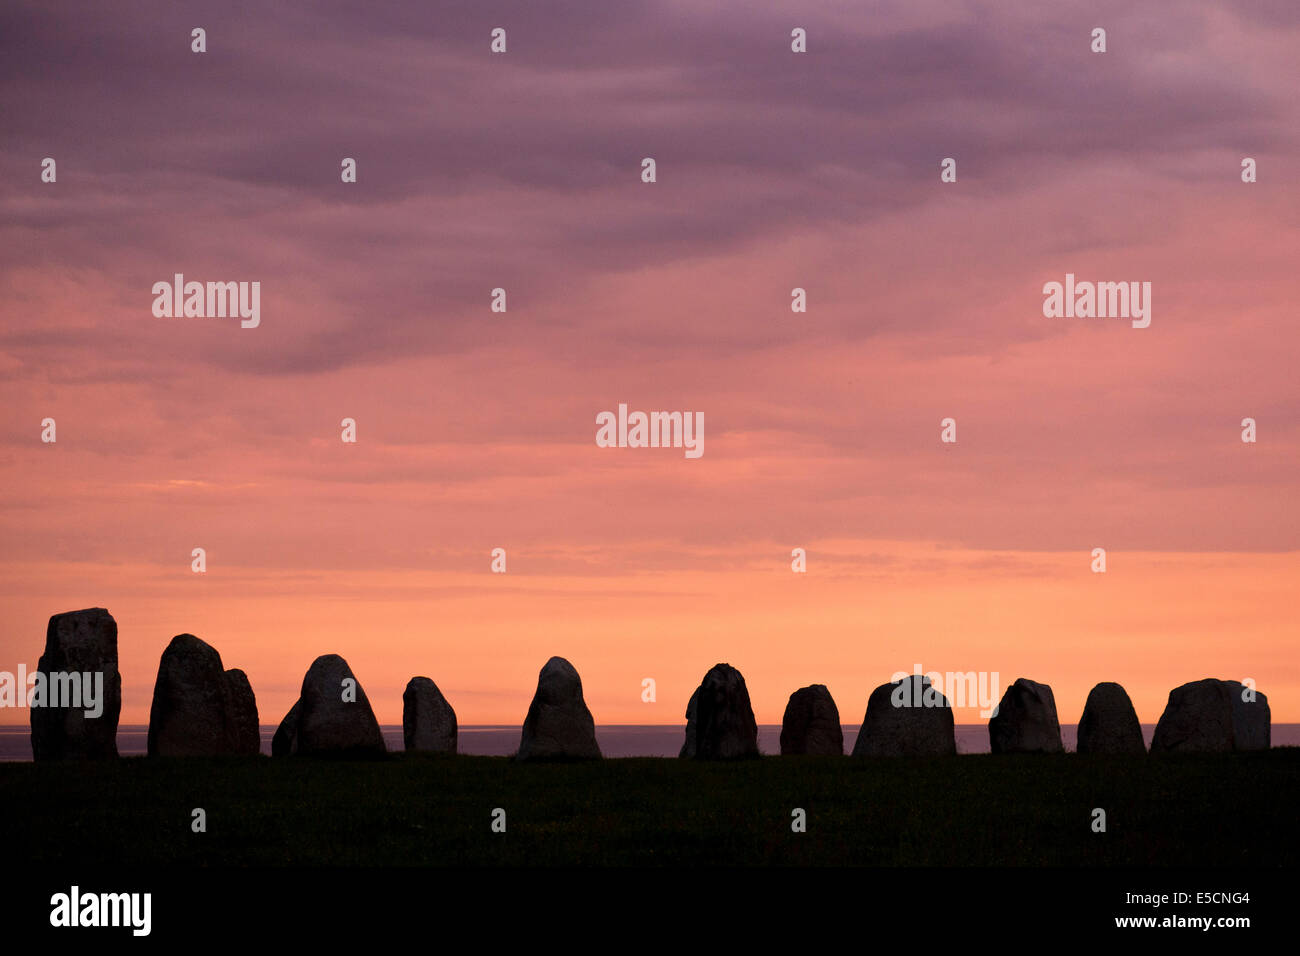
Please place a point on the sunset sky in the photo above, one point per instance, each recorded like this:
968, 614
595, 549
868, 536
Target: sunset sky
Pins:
822, 430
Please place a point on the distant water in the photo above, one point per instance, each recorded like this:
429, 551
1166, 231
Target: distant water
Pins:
616, 740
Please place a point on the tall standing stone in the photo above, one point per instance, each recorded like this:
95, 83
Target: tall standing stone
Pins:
1109, 724
811, 723
199, 708
191, 712
1026, 720
242, 716
719, 719
1210, 716
428, 721
332, 716
79, 643
907, 718
558, 724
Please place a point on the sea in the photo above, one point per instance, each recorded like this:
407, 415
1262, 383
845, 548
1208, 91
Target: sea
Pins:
616, 740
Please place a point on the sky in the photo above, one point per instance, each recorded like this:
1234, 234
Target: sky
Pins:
476, 429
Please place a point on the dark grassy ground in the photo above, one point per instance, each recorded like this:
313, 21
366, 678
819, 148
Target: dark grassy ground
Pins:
1235, 809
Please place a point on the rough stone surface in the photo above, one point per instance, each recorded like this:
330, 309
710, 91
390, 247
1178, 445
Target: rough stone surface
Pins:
192, 707
906, 718
1026, 720
1109, 724
719, 718
558, 725
242, 716
322, 723
79, 642
428, 721
1209, 716
811, 724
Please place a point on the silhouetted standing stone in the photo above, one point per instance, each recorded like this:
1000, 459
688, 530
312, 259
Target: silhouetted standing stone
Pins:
1109, 724
78, 643
558, 725
199, 708
191, 712
242, 716
323, 722
1209, 716
428, 721
1026, 720
906, 718
719, 719
811, 724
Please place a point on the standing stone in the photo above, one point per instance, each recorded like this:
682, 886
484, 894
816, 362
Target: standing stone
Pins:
558, 725
1109, 724
79, 642
242, 716
191, 712
811, 724
907, 718
323, 723
1209, 716
719, 719
1026, 720
428, 721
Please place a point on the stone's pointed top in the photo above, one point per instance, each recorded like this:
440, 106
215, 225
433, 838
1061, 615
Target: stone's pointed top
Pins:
811, 724
558, 725
188, 643
719, 718
1026, 721
906, 718
559, 669
1109, 723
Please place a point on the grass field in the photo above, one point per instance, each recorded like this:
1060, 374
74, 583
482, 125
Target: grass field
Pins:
1202, 810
